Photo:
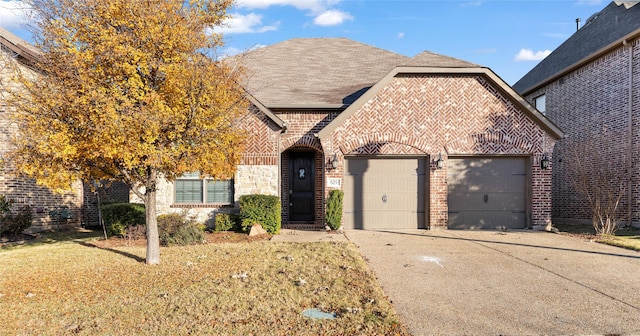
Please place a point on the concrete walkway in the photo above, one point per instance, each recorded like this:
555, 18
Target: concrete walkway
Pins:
515, 283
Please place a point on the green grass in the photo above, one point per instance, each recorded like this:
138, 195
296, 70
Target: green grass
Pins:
65, 285
628, 238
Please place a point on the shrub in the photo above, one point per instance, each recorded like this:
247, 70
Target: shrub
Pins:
16, 221
178, 229
227, 222
119, 216
334, 209
260, 209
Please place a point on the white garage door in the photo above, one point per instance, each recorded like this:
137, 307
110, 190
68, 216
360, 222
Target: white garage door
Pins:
384, 193
487, 193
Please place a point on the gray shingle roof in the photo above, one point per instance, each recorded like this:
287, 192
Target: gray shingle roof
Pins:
614, 22
315, 71
429, 59
19, 46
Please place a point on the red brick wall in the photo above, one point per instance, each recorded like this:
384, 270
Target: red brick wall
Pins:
261, 147
300, 135
592, 102
430, 115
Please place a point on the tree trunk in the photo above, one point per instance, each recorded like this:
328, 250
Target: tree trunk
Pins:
153, 239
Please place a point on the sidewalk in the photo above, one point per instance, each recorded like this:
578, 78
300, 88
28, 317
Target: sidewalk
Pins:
300, 236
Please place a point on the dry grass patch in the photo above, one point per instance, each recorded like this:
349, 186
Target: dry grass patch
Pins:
259, 288
628, 238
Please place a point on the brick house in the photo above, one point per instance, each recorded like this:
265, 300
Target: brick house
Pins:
423, 142
590, 87
81, 200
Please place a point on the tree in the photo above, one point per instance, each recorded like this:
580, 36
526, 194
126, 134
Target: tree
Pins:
128, 90
597, 180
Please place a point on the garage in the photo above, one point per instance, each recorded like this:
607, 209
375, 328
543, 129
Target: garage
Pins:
487, 193
384, 193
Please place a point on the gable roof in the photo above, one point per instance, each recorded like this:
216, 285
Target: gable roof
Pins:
315, 72
25, 51
494, 79
430, 59
602, 31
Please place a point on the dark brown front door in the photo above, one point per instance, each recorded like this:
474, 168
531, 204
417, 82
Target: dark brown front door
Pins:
302, 185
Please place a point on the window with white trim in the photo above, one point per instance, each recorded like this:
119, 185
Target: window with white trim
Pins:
540, 103
190, 188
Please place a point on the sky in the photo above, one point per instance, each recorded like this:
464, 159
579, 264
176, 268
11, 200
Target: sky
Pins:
508, 36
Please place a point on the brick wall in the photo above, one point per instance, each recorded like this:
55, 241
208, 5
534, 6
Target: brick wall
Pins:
24, 191
431, 115
592, 102
300, 135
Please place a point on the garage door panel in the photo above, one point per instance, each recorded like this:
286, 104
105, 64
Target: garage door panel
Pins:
384, 193
495, 202
488, 184
486, 193
487, 221
381, 220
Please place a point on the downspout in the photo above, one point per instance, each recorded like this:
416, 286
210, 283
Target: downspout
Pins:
629, 44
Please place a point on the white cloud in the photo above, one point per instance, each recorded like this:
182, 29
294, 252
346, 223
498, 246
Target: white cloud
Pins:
529, 55
322, 10
312, 5
12, 13
332, 18
400, 35
250, 23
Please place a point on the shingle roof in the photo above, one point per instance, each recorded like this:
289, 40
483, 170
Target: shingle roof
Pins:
19, 46
429, 59
315, 71
614, 22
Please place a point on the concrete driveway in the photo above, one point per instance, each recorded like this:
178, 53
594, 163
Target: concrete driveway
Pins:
515, 283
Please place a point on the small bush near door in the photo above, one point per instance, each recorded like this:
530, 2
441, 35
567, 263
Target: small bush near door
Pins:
119, 216
179, 229
227, 222
260, 209
334, 209
14, 221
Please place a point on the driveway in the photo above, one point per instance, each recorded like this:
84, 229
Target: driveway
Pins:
515, 283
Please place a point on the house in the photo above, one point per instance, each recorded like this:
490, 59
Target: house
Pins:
81, 201
424, 142
590, 87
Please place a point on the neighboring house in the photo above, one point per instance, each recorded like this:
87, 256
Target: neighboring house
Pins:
424, 142
590, 87
81, 200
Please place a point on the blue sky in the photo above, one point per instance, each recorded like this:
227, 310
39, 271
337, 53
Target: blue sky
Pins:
510, 37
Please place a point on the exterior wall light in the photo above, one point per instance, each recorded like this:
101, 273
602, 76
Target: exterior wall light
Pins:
544, 162
334, 161
439, 162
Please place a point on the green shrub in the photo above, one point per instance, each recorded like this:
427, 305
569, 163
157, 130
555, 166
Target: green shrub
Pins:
227, 222
119, 216
178, 229
334, 209
260, 209
16, 221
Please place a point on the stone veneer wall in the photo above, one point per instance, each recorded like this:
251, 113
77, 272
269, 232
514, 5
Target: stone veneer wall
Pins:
428, 115
592, 102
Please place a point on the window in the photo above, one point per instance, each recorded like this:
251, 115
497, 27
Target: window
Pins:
190, 188
540, 103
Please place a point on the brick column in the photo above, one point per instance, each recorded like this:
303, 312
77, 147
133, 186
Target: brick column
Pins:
438, 209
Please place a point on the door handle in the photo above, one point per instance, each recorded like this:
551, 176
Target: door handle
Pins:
384, 198
486, 198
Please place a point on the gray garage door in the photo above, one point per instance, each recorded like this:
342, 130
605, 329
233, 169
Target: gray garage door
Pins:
384, 193
487, 193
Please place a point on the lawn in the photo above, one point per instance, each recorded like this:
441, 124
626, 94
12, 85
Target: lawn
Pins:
628, 238
78, 285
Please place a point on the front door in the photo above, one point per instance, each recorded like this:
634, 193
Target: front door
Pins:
302, 186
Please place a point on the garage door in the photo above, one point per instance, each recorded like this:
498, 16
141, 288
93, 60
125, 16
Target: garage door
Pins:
384, 193
486, 193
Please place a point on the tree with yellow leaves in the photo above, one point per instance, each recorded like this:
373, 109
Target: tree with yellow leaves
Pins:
130, 91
